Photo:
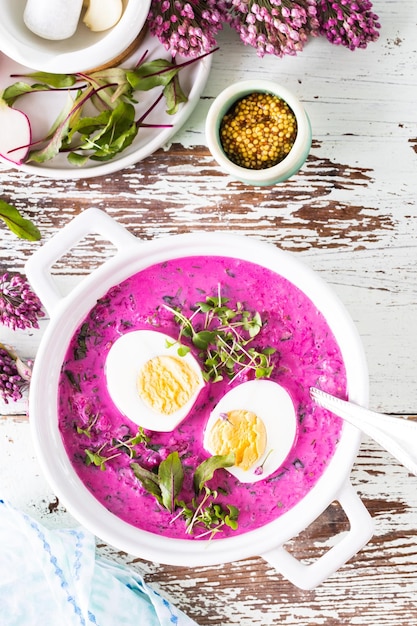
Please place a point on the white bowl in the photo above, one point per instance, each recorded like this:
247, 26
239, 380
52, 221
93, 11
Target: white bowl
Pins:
271, 175
67, 312
81, 52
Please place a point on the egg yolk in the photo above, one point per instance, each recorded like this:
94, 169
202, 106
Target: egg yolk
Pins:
167, 383
241, 432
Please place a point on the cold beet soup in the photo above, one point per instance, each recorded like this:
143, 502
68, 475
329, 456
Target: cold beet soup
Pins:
167, 482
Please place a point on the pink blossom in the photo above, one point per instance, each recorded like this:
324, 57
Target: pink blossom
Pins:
187, 28
19, 306
14, 375
347, 23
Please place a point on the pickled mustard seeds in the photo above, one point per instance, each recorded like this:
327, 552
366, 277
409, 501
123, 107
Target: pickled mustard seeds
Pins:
259, 131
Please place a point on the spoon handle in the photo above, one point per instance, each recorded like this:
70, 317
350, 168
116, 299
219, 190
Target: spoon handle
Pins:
397, 435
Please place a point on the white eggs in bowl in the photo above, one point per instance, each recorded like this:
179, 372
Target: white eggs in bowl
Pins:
84, 50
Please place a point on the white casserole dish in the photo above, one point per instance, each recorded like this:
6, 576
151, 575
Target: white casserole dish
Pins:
67, 312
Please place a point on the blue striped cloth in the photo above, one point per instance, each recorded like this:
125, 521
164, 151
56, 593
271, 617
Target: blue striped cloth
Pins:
53, 577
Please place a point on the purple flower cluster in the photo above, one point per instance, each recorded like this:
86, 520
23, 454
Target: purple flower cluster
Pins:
279, 27
349, 23
19, 306
14, 375
185, 27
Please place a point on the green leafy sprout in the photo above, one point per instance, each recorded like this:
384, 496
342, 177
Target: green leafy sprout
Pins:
224, 339
166, 483
99, 122
209, 514
21, 227
204, 511
113, 449
108, 125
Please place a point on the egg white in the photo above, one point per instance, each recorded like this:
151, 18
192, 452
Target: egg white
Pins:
125, 360
273, 405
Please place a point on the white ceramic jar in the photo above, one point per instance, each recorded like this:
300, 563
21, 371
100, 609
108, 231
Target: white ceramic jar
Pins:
270, 175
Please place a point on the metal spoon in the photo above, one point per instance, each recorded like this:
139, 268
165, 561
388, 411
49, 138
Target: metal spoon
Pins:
397, 435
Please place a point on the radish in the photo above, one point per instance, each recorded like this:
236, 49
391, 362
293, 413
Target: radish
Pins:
15, 134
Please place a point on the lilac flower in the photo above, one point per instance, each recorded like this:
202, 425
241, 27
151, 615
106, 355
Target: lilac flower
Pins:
278, 27
349, 23
19, 306
14, 375
225, 417
260, 469
186, 27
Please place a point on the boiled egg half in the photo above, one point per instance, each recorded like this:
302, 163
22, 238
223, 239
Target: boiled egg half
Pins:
149, 382
256, 420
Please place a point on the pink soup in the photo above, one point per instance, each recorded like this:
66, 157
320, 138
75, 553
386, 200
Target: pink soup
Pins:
306, 355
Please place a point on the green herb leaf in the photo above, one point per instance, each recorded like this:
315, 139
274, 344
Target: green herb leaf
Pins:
54, 81
111, 76
78, 159
254, 325
231, 519
80, 351
83, 431
203, 339
183, 350
86, 126
55, 137
73, 380
13, 92
117, 135
140, 437
149, 480
171, 476
174, 96
57, 81
96, 459
21, 227
206, 469
152, 74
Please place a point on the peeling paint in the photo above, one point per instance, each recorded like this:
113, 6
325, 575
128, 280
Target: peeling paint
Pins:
169, 193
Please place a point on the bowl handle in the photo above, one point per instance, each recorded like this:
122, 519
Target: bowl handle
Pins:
90, 221
309, 576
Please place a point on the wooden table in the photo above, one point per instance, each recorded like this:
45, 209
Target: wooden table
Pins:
350, 214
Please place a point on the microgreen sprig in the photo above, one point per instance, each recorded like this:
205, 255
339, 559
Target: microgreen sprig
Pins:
203, 510
224, 338
97, 458
113, 449
86, 430
208, 514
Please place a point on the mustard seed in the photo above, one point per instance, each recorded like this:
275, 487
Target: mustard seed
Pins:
258, 131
